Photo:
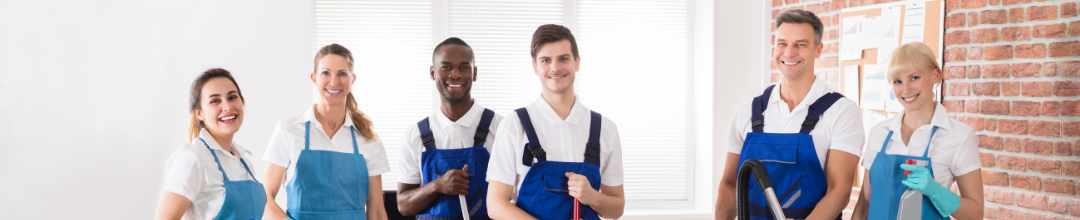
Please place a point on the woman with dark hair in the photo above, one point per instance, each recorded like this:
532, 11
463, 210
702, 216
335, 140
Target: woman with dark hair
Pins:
329, 158
208, 178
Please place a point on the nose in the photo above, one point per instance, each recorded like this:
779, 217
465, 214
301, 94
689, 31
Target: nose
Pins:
333, 81
456, 73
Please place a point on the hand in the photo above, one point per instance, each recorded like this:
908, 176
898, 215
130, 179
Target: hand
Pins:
918, 178
454, 182
946, 202
580, 188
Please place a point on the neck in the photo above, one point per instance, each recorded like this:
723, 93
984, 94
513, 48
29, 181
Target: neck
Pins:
223, 140
455, 110
330, 115
919, 117
792, 91
561, 103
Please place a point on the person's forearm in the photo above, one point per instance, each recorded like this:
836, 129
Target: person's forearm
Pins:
725, 203
861, 208
609, 207
415, 200
506, 210
832, 204
273, 211
969, 209
375, 208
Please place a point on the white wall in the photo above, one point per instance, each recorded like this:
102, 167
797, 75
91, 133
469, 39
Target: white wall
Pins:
93, 94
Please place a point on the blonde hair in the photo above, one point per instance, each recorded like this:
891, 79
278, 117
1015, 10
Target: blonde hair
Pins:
360, 120
912, 57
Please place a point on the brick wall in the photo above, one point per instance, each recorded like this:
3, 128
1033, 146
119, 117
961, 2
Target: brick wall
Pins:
1012, 70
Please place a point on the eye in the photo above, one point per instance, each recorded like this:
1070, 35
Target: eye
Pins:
464, 67
326, 72
213, 101
913, 78
563, 59
445, 67
801, 45
233, 97
342, 73
896, 81
781, 44
545, 60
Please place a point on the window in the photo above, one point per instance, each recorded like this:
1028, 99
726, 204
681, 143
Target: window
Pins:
637, 69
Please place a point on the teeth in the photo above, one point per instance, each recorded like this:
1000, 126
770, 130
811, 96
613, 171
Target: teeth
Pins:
789, 63
910, 99
333, 91
454, 86
231, 117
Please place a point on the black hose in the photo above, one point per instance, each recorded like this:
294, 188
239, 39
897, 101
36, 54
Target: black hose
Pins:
742, 188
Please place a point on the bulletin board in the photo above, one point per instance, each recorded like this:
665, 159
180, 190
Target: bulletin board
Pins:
933, 36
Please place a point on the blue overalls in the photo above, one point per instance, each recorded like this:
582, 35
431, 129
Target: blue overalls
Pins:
886, 187
244, 199
435, 163
544, 193
791, 159
328, 184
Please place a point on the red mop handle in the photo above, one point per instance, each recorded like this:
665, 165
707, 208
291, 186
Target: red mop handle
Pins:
577, 208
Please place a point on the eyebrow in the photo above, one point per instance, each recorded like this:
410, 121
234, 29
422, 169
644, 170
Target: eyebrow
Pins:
216, 95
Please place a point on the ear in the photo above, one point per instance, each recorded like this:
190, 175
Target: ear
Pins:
474, 69
817, 50
535, 71
198, 114
577, 64
313, 78
432, 71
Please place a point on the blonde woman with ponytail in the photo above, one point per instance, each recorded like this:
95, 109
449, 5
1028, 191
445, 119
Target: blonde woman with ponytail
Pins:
329, 158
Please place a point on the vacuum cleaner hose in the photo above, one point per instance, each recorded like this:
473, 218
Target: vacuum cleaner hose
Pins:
761, 175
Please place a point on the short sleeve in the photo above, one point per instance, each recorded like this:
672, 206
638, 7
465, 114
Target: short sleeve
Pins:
612, 173
502, 166
847, 128
377, 164
967, 156
737, 128
184, 174
277, 150
409, 166
873, 144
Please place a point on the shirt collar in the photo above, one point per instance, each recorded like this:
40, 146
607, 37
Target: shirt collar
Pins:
940, 119
817, 89
551, 117
465, 120
205, 135
309, 115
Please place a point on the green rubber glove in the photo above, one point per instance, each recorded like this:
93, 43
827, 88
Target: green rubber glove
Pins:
944, 200
287, 218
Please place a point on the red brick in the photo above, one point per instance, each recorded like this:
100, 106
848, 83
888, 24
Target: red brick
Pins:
1049, 30
833, 35
1063, 148
1062, 186
984, 35
1004, 213
973, 71
777, 3
990, 124
994, 107
989, 213
986, 88
1012, 144
986, 159
1010, 88
999, 196
1071, 168
1067, 88
1074, 206
954, 105
959, 88
1017, 33
969, 4
1013, 2
993, 17
1074, 29
949, 5
1042, 13
1072, 128
1031, 51
995, 71
955, 54
839, 4
1045, 128
1009, 126
1068, 10
1000, 52
1076, 148
1049, 69
791, 2
1027, 182
954, 72
1051, 108
830, 61
974, 53
1025, 108
1045, 166
1016, 15
1035, 89
971, 106
1070, 108
1011, 162
1025, 70
994, 2
989, 142
972, 18
1042, 216
1058, 204
1064, 49
1031, 200
957, 38
815, 8
975, 122
955, 21
1070, 69
995, 178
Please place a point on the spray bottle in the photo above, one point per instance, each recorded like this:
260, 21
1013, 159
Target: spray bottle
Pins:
911, 200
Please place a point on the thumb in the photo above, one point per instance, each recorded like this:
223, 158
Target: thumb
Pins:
465, 169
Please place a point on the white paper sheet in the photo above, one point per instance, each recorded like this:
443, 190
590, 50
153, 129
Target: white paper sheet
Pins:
851, 37
889, 33
850, 82
871, 118
914, 21
875, 91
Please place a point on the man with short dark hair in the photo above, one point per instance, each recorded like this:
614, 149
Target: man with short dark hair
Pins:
807, 136
581, 156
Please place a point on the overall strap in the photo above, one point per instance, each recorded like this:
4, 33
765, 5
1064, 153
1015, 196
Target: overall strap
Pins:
482, 130
592, 148
248, 169
888, 138
532, 149
758, 106
927, 150
817, 109
307, 135
226, 176
355, 149
425, 134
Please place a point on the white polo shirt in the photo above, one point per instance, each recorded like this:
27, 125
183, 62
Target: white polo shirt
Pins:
191, 172
839, 128
288, 141
563, 140
954, 149
448, 135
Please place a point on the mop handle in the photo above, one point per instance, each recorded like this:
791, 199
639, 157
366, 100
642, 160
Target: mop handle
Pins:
577, 209
464, 211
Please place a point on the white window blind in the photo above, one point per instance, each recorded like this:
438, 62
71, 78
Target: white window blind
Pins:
636, 69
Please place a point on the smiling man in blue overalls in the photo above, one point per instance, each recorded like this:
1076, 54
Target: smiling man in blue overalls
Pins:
556, 150
808, 136
448, 151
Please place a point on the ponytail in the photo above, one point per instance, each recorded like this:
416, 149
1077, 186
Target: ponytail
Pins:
195, 128
361, 122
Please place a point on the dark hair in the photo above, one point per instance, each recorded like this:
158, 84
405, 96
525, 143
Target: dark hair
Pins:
550, 33
449, 41
196, 97
798, 16
361, 122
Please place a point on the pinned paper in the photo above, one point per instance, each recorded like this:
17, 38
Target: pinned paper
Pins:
851, 37
875, 90
914, 22
850, 82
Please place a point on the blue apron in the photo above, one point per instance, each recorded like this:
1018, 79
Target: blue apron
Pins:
328, 184
244, 199
544, 193
791, 159
886, 179
435, 162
